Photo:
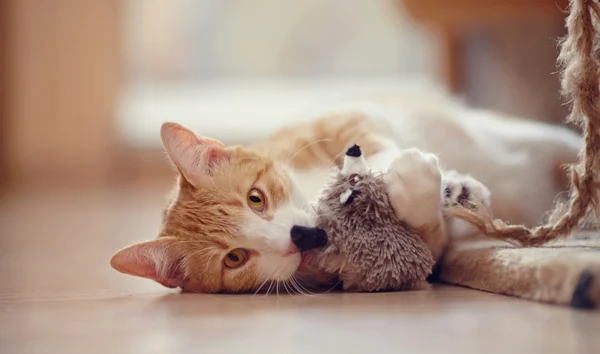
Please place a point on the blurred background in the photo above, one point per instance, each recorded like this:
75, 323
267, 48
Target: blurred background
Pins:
85, 84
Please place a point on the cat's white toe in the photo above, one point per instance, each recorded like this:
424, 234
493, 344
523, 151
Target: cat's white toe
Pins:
464, 190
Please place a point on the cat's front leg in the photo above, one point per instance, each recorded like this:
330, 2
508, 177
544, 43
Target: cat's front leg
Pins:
414, 182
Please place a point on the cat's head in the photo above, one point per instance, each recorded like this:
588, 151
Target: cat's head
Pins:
228, 226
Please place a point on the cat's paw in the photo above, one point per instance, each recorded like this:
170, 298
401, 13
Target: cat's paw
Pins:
414, 182
464, 190
459, 189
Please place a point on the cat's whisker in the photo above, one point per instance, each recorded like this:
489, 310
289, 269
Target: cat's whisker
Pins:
333, 160
287, 289
299, 280
269, 289
293, 282
297, 286
332, 188
332, 288
293, 286
300, 286
290, 158
300, 275
260, 287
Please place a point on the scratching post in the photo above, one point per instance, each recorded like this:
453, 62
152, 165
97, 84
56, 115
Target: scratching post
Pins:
579, 60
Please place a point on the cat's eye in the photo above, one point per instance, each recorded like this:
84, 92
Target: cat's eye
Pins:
256, 200
235, 258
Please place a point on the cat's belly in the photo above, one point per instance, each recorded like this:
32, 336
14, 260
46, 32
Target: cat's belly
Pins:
517, 160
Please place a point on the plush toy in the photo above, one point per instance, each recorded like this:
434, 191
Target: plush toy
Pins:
368, 248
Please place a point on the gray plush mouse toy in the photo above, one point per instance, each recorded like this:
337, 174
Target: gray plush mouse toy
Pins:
368, 248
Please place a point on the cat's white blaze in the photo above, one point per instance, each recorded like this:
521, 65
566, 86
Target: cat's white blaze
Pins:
275, 233
301, 203
280, 265
272, 238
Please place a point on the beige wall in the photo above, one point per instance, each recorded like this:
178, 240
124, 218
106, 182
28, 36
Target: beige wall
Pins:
62, 77
3, 87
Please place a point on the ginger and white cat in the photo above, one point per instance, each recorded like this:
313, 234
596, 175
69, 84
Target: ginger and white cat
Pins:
227, 227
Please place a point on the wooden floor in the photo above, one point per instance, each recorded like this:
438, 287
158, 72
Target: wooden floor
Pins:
59, 295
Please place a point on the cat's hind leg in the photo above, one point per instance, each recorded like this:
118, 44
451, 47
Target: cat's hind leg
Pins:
566, 273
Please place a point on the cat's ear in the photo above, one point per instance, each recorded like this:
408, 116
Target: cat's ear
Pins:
194, 156
156, 260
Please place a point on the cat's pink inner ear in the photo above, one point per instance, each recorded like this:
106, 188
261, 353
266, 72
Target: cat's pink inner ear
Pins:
151, 259
194, 156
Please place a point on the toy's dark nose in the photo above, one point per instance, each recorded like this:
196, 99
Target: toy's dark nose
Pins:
307, 238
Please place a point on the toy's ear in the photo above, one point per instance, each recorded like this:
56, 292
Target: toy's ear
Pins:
194, 156
156, 260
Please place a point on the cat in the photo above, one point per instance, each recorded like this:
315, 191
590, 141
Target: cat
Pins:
227, 225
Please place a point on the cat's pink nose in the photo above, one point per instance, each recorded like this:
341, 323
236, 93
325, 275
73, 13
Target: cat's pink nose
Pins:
291, 250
